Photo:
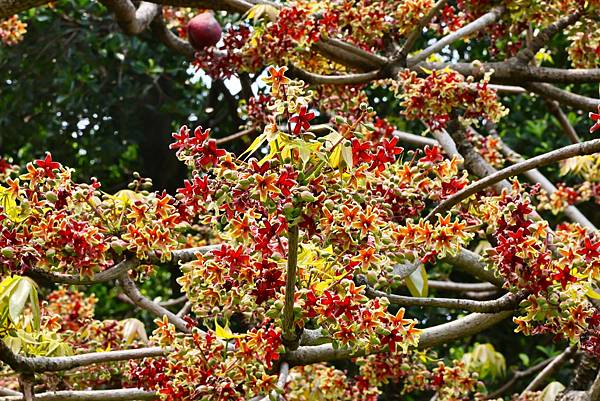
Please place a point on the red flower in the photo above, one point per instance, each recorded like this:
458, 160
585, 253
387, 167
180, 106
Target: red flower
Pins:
302, 120
48, 165
564, 277
432, 155
595, 117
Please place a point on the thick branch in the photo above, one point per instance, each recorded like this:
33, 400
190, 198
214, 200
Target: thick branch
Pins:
562, 96
52, 364
131, 20
169, 39
505, 72
347, 79
432, 336
129, 394
594, 390
583, 148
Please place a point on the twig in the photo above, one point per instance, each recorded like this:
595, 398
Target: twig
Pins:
519, 374
549, 370
235, 136
347, 79
506, 302
525, 55
130, 289
583, 148
466, 30
185, 309
417, 31
173, 302
562, 119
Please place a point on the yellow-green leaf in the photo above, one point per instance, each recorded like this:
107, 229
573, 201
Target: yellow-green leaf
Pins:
225, 333
417, 282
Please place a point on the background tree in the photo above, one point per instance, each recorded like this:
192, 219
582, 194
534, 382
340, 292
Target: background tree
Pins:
321, 234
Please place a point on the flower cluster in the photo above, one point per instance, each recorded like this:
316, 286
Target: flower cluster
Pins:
421, 98
418, 372
48, 222
557, 269
207, 366
12, 30
226, 59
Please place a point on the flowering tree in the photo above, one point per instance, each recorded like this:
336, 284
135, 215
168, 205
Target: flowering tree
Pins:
306, 258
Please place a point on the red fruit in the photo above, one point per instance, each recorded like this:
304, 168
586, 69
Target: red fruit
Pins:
203, 31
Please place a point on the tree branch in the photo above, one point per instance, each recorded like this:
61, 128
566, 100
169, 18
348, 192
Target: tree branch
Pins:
53, 364
594, 390
432, 336
461, 287
347, 79
131, 20
525, 55
506, 302
169, 39
562, 119
130, 289
129, 394
535, 176
519, 374
562, 96
471, 263
583, 148
289, 336
466, 30
549, 370
505, 72
417, 31
235, 136
180, 255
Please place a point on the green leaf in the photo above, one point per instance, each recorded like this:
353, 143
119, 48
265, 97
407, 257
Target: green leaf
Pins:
417, 282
